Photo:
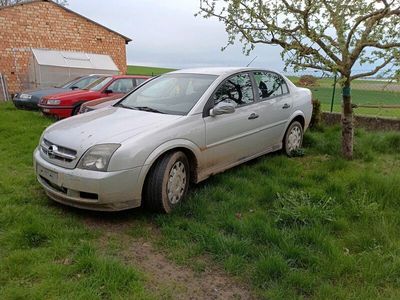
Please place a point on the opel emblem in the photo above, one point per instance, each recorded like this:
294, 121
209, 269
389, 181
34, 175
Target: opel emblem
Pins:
51, 151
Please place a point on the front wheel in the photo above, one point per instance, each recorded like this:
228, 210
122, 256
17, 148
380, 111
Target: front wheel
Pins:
76, 110
293, 139
167, 182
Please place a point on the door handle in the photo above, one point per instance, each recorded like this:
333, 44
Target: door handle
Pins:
285, 106
253, 116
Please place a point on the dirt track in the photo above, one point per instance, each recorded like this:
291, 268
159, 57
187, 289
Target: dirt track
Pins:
165, 278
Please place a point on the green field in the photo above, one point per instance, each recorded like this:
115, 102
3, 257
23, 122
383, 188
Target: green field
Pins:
149, 71
363, 92
360, 97
311, 227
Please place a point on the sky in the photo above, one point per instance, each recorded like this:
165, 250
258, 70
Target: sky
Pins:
166, 33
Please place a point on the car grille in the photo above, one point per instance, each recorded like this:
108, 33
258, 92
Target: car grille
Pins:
57, 152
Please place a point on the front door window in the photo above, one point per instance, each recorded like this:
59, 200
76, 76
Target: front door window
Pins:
236, 90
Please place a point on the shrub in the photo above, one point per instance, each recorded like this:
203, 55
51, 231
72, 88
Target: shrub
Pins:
308, 81
316, 117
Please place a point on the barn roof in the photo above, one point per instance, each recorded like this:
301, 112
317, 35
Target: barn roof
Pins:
74, 59
127, 40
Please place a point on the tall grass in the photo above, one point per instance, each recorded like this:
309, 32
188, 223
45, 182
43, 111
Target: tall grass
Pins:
46, 253
311, 227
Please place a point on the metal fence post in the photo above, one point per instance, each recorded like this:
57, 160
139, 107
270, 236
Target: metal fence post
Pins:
3, 88
334, 91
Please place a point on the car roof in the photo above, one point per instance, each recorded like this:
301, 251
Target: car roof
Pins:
217, 70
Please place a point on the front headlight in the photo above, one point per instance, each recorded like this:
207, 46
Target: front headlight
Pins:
98, 157
53, 102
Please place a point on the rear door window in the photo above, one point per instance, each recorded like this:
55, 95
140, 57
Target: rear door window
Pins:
270, 84
123, 85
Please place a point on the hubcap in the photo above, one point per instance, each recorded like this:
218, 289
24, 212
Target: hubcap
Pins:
294, 139
176, 182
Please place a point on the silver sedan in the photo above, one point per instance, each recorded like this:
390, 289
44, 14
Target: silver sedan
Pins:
176, 129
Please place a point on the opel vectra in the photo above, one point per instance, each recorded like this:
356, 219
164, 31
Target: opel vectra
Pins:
176, 129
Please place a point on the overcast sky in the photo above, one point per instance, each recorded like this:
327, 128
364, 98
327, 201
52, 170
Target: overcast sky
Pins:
165, 33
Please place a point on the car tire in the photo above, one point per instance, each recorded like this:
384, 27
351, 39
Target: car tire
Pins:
167, 182
76, 110
293, 139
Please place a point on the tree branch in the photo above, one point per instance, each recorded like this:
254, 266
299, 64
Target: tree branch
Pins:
374, 71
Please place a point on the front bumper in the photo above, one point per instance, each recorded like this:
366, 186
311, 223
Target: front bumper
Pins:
27, 104
101, 191
59, 112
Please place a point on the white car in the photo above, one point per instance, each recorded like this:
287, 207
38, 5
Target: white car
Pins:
175, 129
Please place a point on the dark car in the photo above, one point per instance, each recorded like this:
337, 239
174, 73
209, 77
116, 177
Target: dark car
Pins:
30, 99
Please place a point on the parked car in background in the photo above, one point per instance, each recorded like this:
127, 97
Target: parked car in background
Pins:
99, 103
178, 128
63, 105
30, 99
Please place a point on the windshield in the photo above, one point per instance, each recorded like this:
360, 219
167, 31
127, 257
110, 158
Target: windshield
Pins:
171, 94
98, 84
80, 82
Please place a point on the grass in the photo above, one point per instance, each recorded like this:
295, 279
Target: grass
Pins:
315, 227
150, 71
45, 253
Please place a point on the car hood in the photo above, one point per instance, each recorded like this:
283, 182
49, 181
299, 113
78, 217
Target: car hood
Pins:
108, 125
95, 103
70, 94
39, 93
106, 103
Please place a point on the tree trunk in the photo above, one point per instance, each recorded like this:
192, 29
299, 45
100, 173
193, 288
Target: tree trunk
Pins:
347, 122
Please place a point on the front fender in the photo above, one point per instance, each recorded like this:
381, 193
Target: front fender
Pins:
159, 151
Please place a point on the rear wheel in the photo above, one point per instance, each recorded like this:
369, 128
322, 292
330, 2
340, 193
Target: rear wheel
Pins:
167, 182
293, 139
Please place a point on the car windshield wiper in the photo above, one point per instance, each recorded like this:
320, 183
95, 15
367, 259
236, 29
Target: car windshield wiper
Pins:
124, 106
149, 109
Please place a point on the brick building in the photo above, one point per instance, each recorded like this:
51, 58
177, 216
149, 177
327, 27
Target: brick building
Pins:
43, 24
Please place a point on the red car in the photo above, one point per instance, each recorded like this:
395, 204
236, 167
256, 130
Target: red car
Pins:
64, 105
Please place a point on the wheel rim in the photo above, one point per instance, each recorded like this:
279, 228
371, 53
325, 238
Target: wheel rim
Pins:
176, 182
294, 139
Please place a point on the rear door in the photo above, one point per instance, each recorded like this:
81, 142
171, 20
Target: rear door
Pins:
275, 104
233, 137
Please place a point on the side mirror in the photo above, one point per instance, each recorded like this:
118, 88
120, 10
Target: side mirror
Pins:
222, 108
108, 91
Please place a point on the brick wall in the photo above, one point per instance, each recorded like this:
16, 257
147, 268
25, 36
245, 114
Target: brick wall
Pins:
45, 25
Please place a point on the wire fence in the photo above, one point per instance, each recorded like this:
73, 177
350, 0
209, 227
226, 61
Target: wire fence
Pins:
370, 96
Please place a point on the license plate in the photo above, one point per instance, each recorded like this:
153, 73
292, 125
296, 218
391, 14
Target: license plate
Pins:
48, 174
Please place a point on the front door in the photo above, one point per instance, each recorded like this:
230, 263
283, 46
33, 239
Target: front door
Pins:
233, 137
